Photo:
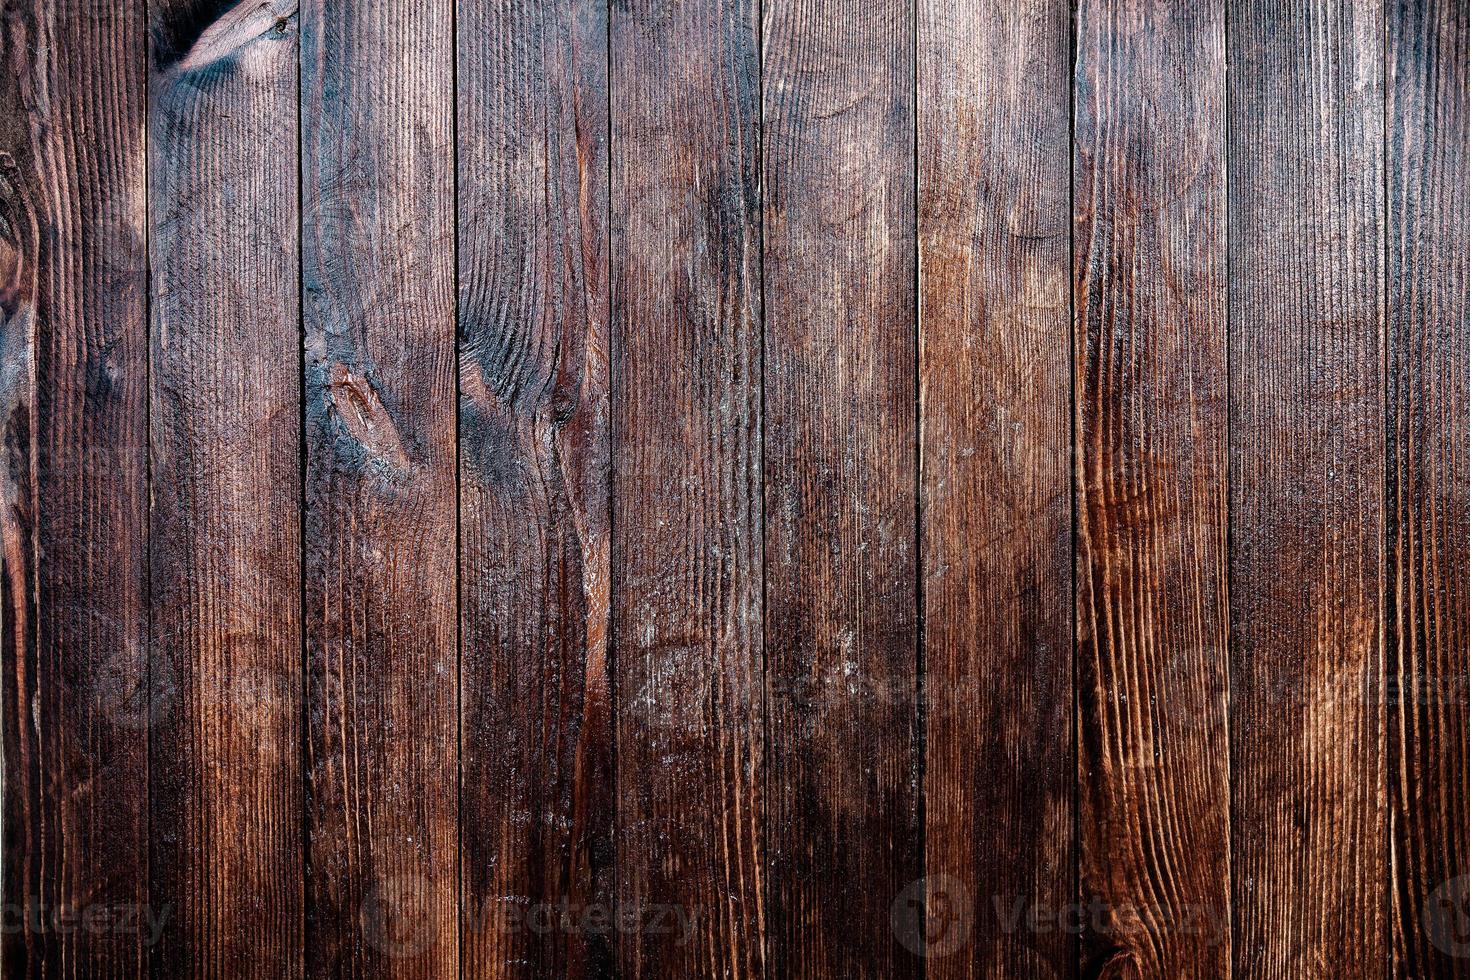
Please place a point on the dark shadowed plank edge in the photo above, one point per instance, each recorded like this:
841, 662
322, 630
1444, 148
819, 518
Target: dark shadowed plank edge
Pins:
225, 557
1150, 403
537, 784
73, 516
377, 109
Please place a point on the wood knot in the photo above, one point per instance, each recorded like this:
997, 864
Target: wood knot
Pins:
354, 400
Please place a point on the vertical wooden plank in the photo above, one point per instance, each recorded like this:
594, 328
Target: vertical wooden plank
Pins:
537, 791
1428, 121
1308, 827
225, 520
73, 390
687, 483
845, 822
378, 300
1150, 383
995, 394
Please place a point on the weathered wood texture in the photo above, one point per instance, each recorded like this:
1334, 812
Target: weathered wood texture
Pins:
994, 233
1309, 828
379, 306
844, 821
73, 391
1150, 397
225, 521
1428, 209
536, 711
622, 489
687, 475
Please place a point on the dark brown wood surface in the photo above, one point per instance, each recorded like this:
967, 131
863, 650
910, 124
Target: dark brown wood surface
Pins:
1309, 819
225, 518
536, 711
378, 298
844, 820
1150, 396
73, 393
687, 488
994, 227
595, 489
1428, 276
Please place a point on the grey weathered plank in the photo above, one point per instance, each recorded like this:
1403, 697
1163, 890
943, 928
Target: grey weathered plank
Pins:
225, 558
380, 534
536, 710
686, 552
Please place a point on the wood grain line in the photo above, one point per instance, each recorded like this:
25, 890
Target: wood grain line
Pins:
73, 492
225, 560
536, 711
1150, 403
1428, 120
377, 109
995, 403
1309, 825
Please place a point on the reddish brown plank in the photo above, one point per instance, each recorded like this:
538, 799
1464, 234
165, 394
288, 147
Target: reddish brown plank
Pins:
687, 477
1150, 402
845, 823
1428, 119
225, 558
537, 794
1308, 830
379, 304
73, 391
994, 224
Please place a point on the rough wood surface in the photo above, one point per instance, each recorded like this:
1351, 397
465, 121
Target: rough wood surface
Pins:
687, 476
1150, 377
1428, 208
563, 489
536, 710
379, 305
73, 407
995, 399
225, 559
844, 817
1309, 829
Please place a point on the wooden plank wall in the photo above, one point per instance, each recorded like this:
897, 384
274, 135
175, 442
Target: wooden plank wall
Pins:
734, 488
